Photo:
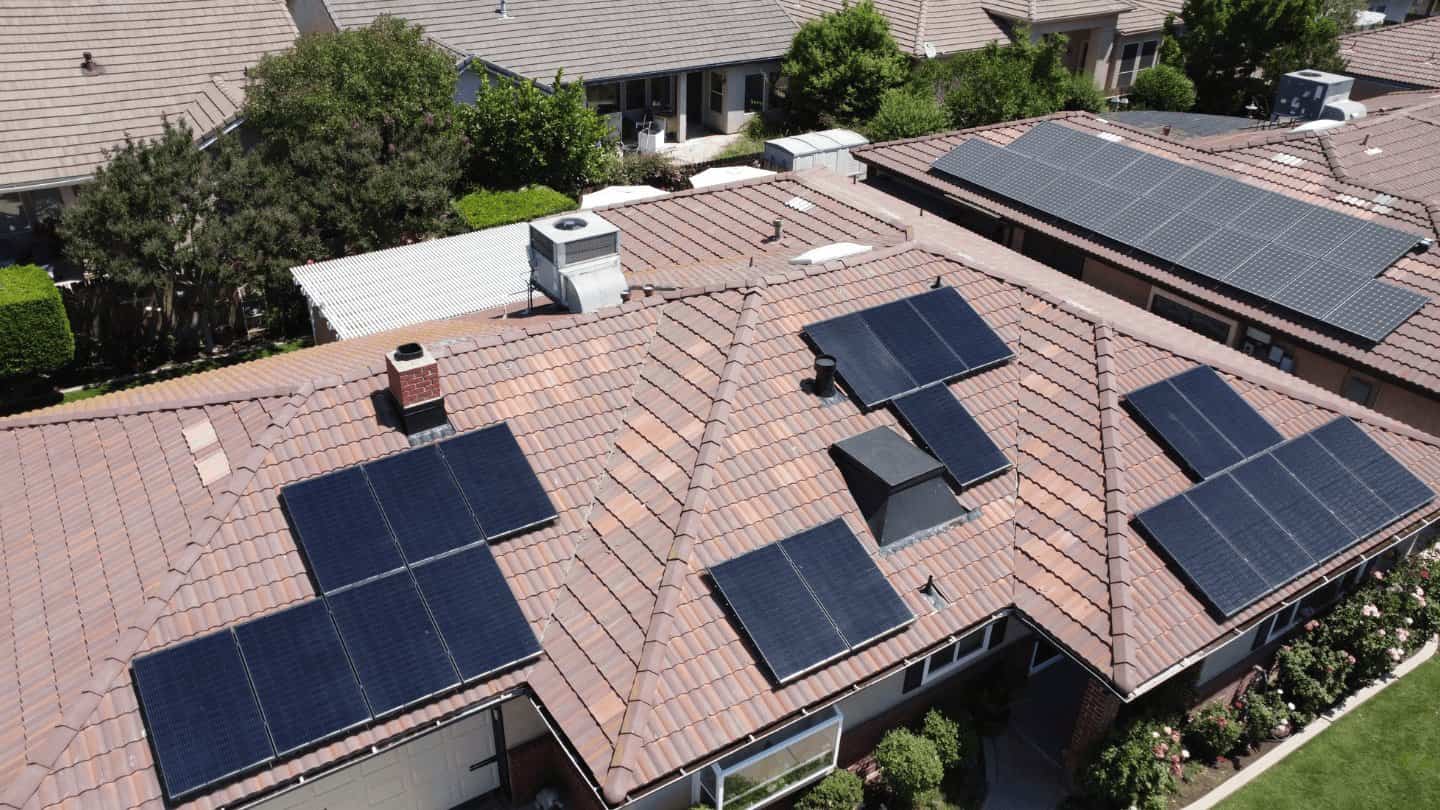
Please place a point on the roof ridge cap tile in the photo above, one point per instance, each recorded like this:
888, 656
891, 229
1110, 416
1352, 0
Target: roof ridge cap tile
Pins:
623, 774
55, 415
1117, 552
1063, 115
41, 759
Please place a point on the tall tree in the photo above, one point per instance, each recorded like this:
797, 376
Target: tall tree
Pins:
362, 123
521, 135
1002, 83
840, 64
1235, 50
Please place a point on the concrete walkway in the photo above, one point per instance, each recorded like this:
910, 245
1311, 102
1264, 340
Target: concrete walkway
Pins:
1019, 777
1294, 741
1023, 765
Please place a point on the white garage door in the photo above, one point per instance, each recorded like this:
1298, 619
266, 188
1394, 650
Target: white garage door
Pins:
433, 772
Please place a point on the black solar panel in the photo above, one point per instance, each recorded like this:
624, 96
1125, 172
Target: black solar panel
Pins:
498, 481
855, 594
777, 611
425, 507
303, 678
948, 430
340, 529
204, 724
393, 643
1202, 421
1249, 531
1173, 211
477, 614
892, 349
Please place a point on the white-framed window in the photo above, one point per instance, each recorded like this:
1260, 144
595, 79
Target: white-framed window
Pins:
1192, 316
1260, 344
1134, 58
953, 656
1043, 654
775, 766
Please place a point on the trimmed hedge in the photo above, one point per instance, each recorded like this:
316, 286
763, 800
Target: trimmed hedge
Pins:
488, 209
35, 334
910, 766
840, 790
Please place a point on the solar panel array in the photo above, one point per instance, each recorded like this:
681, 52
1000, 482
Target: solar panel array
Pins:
892, 349
1202, 421
1312, 260
413, 604
947, 429
1249, 530
810, 598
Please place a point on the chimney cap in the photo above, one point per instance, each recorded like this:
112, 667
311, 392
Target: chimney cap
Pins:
409, 351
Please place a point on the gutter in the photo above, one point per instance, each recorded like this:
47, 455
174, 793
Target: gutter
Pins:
79, 179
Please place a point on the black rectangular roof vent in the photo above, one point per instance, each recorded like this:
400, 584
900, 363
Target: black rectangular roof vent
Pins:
900, 488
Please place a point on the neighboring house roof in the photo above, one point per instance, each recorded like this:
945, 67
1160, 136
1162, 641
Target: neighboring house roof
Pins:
1407, 54
672, 241
1146, 16
1410, 355
1042, 11
593, 41
672, 433
185, 59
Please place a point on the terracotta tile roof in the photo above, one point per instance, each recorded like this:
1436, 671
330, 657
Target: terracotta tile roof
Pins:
1407, 54
1409, 355
184, 59
592, 40
672, 433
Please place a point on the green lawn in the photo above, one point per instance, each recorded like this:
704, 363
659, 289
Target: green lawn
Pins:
1384, 754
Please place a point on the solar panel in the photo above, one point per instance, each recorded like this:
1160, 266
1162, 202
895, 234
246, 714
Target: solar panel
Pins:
948, 430
425, 507
855, 594
1294, 507
1377, 469
1203, 556
498, 481
895, 348
1241, 424
477, 614
1250, 530
204, 724
1343, 494
303, 678
777, 611
392, 641
1164, 208
1376, 309
340, 529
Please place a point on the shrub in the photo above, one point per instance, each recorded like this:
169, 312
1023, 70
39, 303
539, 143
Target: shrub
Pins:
1021, 80
1080, 93
909, 765
487, 209
520, 134
1261, 711
1214, 732
840, 64
840, 790
35, 335
1162, 88
640, 169
1137, 768
953, 741
906, 114
1311, 677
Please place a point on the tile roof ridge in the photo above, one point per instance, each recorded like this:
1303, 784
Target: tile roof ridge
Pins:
58, 414
921, 19
1124, 668
42, 758
623, 774
1386, 28
1064, 115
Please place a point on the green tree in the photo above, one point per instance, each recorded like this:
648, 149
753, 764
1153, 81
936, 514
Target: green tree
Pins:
1021, 80
910, 766
183, 226
840, 64
1162, 87
35, 336
904, 113
1235, 50
519, 134
361, 124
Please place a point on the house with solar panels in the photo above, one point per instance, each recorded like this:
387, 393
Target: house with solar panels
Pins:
706, 546
1311, 249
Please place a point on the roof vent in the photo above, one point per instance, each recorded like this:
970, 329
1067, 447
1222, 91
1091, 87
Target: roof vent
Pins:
824, 385
575, 260
414, 379
88, 63
900, 488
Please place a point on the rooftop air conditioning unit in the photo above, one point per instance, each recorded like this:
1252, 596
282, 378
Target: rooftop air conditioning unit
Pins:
575, 260
1314, 95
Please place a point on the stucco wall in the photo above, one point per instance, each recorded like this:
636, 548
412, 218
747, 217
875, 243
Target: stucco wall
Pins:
733, 117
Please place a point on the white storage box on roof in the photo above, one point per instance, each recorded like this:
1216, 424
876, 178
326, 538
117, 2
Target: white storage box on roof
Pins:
829, 148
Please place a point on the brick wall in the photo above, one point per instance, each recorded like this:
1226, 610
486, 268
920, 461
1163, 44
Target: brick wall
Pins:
1096, 716
413, 382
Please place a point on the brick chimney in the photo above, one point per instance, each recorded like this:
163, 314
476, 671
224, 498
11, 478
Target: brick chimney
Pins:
415, 386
